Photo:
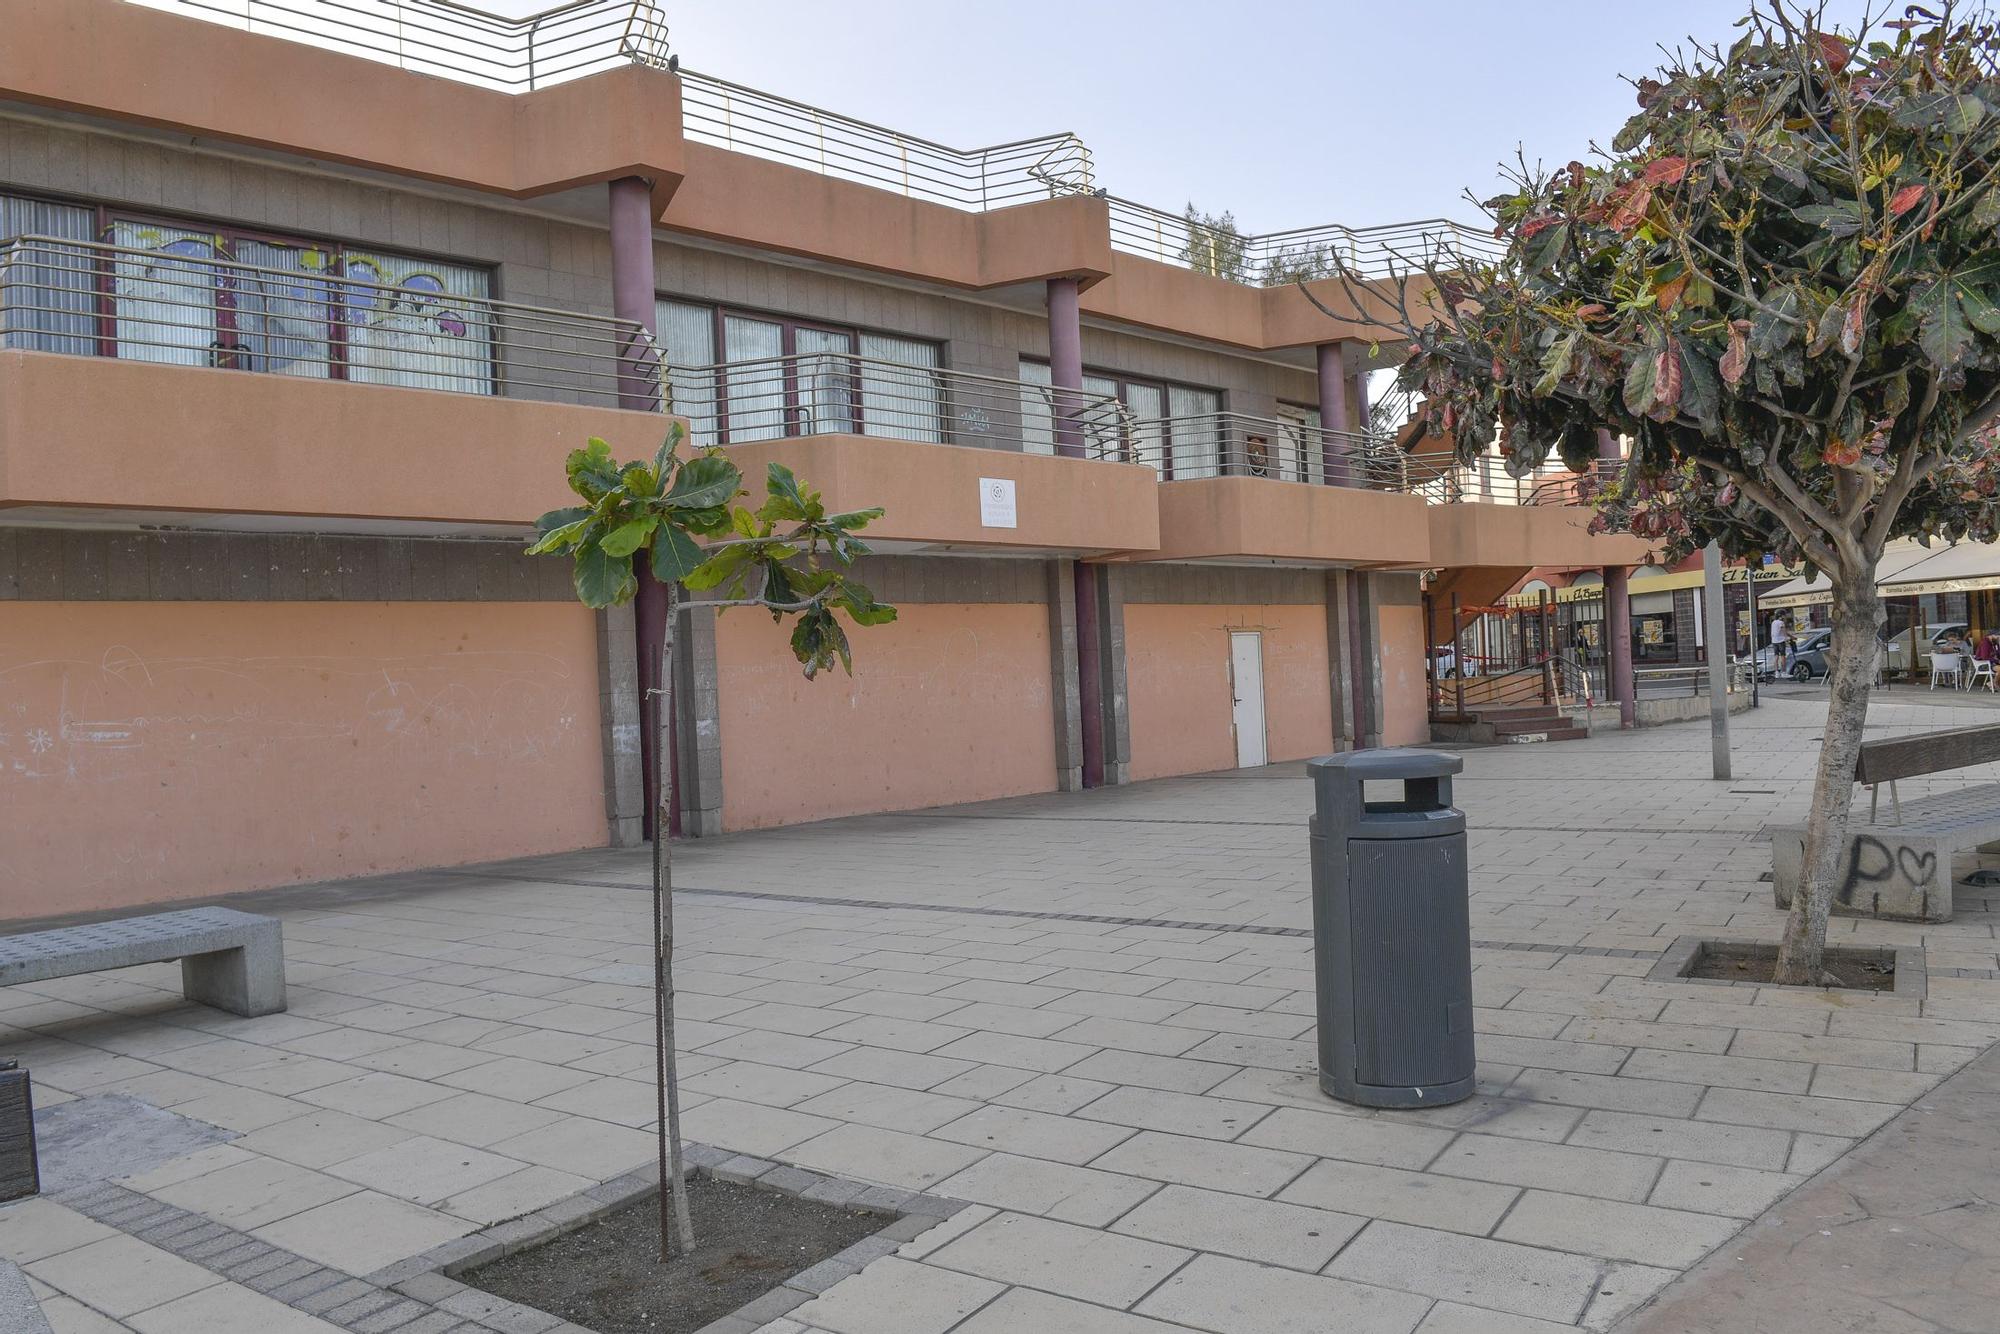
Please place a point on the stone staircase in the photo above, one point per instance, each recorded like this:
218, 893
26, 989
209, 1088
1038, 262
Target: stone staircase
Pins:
1512, 723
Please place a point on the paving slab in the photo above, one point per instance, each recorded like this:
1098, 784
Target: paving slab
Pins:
1902, 1235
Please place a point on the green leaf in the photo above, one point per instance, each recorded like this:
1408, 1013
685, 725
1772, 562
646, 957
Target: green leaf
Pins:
1841, 219
557, 539
1943, 330
1701, 391
627, 538
853, 520
675, 555
781, 485
675, 434
1774, 326
703, 483
603, 580
1641, 379
639, 481
1556, 364
717, 569
555, 519
591, 470
1954, 113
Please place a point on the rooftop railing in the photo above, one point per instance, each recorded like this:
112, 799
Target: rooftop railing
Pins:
87, 299
456, 41
840, 393
1275, 258
729, 115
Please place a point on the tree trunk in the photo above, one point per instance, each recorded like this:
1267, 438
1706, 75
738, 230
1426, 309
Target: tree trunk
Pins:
1850, 674
676, 1224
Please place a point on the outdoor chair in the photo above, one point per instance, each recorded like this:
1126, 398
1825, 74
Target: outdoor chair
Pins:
1981, 671
1944, 667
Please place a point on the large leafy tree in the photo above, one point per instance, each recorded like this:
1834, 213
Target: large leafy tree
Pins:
675, 519
1781, 287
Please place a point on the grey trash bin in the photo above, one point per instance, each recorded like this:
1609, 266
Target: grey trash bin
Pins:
1392, 940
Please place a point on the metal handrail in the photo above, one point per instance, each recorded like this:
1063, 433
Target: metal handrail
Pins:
1238, 444
456, 41
748, 120
1486, 480
844, 393
1272, 259
91, 299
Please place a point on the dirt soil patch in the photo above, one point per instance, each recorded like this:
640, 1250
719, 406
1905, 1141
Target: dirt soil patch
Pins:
1854, 970
607, 1275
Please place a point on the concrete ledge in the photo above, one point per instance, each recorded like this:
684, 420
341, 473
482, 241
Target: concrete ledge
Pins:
433, 1276
1912, 970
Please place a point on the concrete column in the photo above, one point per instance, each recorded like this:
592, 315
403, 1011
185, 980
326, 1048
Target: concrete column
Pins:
1358, 396
1340, 660
1718, 659
1064, 689
1333, 413
1363, 608
697, 729
1619, 682
618, 710
1113, 696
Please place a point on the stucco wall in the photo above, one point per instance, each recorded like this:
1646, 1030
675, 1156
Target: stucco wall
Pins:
1177, 680
948, 703
153, 751
1405, 720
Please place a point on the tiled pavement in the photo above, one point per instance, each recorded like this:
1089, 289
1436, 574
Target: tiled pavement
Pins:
1062, 1009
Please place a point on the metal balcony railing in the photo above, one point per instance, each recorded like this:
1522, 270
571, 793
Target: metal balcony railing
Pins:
1275, 258
459, 42
729, 115
1486, 481
1236, 444
839, 393
89, 299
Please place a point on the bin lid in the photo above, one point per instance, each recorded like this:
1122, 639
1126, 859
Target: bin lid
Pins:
1393, 762
1341, 810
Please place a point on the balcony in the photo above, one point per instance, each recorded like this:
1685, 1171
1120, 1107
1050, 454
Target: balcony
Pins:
1240, 488
511, 54
926, 444
1483, 517
164, 381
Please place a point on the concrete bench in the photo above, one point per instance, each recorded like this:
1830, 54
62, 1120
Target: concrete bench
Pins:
232, 960
1901, 868
1900, 871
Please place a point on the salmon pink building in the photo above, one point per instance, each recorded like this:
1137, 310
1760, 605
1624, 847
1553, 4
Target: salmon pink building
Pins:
300, 312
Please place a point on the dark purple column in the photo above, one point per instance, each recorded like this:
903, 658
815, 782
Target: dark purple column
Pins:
1619, 682
632, 295
632, 288
1066, 363
1333, 414
1066, 374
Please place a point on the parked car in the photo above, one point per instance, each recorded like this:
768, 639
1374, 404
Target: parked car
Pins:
1444, 663
1806, 662
1929, 637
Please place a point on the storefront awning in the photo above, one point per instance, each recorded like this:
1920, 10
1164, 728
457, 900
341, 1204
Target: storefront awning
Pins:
1896, 558
1965, 567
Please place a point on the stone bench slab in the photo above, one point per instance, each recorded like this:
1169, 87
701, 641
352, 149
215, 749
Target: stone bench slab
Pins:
1899, 871
232, 960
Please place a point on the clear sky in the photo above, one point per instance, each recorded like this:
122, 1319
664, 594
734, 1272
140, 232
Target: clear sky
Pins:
1285, 112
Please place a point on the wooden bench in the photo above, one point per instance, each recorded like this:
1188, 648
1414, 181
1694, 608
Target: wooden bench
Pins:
232, 960
1900, 868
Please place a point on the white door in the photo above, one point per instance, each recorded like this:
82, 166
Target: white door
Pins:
1246, 679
